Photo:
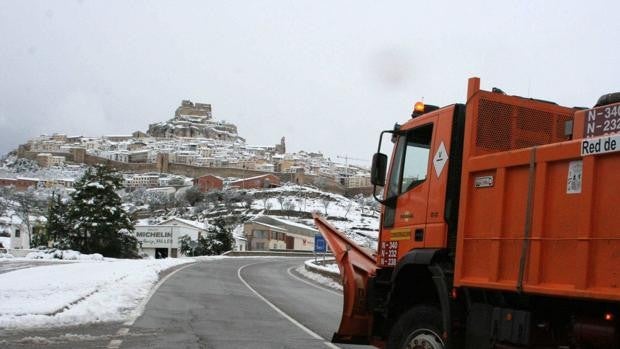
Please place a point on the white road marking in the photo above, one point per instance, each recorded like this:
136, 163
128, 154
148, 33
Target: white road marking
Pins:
311, 284
279, 311
135, 314
140, 308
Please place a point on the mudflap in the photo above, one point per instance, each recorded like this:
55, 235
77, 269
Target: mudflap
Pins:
356, 266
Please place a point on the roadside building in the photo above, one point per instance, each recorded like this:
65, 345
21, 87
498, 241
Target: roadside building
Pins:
14, 233
162, 240
241, 243
299, 236
266, 233
209, 182
264, 237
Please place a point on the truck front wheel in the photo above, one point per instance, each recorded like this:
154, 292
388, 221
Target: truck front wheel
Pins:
418, 328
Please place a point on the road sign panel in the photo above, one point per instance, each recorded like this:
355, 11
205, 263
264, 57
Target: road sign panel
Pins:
319, 243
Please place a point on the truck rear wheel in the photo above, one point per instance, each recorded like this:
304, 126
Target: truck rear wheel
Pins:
418, 328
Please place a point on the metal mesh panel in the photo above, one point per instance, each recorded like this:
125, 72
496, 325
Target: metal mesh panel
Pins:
502, 127
494, 126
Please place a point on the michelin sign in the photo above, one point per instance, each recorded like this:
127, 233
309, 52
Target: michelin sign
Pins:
162, 236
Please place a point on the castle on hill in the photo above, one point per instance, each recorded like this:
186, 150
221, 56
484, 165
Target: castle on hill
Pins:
194, 120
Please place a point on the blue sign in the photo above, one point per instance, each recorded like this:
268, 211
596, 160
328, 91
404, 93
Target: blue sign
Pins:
319, 243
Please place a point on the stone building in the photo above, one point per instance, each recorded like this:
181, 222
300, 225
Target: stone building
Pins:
194, 120
187, 107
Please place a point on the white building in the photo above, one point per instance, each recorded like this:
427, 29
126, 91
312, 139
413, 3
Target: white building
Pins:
141, 181
14, 233
162, 240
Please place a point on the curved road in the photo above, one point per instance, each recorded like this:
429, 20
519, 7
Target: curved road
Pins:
238, 303
228, 303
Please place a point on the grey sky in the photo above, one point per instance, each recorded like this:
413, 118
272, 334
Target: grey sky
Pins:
328, 75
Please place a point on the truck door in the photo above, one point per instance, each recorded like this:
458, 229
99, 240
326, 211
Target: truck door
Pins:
414, 214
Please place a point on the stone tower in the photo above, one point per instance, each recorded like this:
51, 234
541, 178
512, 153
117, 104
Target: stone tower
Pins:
281, 148
163, 160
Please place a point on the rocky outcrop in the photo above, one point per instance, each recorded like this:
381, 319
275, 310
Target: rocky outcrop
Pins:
194, 120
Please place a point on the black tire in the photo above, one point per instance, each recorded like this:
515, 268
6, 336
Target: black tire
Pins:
421, 324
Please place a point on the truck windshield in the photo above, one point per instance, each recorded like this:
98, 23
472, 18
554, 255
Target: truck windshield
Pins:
410, 165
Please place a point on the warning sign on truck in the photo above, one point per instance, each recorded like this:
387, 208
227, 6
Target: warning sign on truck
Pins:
600, 145
573, 180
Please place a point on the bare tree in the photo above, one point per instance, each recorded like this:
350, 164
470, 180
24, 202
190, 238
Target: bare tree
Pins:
325, 200
361, 202
281, 199
248, 200
193, 195
301, 198
266, 203
348, 208
25, 207
6, 196
288, 206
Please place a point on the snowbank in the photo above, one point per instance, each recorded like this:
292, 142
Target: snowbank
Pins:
77, 293
324, 280
329, 268
5, 241
69, 255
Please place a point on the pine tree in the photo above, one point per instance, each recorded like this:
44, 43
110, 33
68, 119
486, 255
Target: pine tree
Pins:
222, 236
97, 221
56, 226
186, 245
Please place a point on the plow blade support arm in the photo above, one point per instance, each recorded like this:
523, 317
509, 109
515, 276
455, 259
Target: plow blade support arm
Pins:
356, 266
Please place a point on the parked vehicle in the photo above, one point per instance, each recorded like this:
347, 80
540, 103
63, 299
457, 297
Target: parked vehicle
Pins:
499, 229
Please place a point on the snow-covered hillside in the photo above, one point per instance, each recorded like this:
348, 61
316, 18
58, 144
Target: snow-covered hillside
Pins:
358, 218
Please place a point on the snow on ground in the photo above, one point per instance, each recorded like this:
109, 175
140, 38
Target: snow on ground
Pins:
5, 241
68, 255
356, 219
76, 293
323, 280
330, 267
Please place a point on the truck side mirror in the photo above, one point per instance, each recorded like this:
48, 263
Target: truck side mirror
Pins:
377, 172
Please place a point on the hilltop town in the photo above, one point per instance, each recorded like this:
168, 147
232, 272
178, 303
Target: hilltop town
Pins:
192, 143
183, 173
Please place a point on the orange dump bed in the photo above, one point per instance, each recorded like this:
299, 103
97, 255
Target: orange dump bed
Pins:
536, 215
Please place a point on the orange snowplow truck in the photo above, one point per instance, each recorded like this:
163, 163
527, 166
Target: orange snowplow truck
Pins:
500, 228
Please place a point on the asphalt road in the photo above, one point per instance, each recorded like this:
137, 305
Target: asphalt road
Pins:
229, 303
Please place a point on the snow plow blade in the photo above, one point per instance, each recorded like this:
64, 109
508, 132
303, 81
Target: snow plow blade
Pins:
356, 266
